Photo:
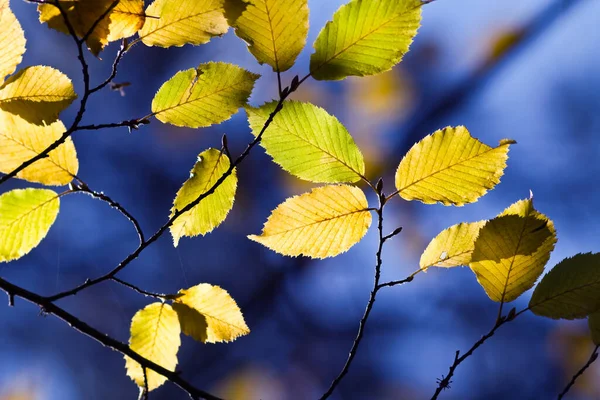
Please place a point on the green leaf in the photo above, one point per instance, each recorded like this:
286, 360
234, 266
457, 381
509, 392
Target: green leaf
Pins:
12, 41
366, 37
208, 314
451, 247
203, 96
512, 250
37, 94
26, 216
571, 290
323, 223
275, 30
450, 167
594, 324
155, 335
176, 23
212, 210
308, 142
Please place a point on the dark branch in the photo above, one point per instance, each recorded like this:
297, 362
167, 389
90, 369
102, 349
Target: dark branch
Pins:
590, 361
137, 289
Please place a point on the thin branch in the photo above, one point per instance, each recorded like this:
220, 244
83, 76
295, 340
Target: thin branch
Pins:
132, 124
590, 361
122, 50
48, 307
395, 283
137, 289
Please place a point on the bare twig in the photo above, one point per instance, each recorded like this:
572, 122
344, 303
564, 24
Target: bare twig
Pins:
137, 289
589, 362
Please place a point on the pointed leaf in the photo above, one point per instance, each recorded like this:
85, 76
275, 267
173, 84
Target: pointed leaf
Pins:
37, 94
512, 250
450, 167
26, 216
594, 324
366, 37
275, 30
451, 247
308, 142
155, 334
571, 290
176, 23
208, 314
12, 41
323, 223
212, 210
126, 19
207, 95
21, 140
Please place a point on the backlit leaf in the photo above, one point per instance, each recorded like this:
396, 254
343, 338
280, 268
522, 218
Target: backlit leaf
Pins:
308, 142
155, 334
570, 290
37, 94
451, 247
12, 41
126, 19
366, 37
21, 140
208, 314
26, 215
450, 167
323, 223
176, 23
275, 30
212, 210
594, 324
203, 96
512, 250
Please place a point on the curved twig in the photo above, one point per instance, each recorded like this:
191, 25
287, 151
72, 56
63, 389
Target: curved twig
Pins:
589, 362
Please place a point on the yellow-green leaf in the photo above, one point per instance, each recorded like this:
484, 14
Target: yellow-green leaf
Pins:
323, 223
176, 23
12, 41
512, 250
21, 140
37, 94
212, 210
308, 142
571, 290
451, 247
208, 314
203, 96
275, 30
450, 167
26, 216
594, 324
366, 37
155, 334
126, 19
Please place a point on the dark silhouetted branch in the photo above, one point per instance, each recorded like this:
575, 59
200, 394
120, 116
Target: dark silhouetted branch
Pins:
590, 361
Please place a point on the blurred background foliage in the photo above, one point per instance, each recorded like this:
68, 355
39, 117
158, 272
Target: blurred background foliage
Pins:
523, 70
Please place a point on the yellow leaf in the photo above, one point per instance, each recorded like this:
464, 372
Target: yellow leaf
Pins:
451, 247
571, 290
126, 19
203, 96
366, 37
37, 94
275, 30
450, 167
512, 250
212, 210
26, 215
208, 314
12, 41
323, 223
594, 324
155, 334
176, 23
20, 141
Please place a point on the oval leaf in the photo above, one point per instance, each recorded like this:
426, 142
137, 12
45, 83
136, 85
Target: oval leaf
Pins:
26, 216
208, 314
207, 95
212, 210
308, 142
366, 37
275, 30
155, 334
175, 23
570, 290
450, 167
323, 223
126, 19
12, 41
512, 250
451, 247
